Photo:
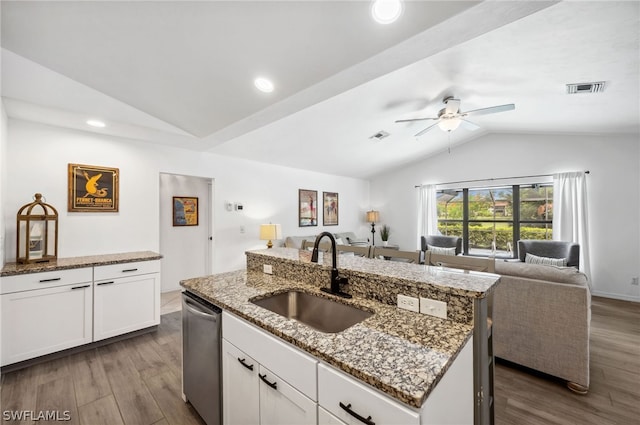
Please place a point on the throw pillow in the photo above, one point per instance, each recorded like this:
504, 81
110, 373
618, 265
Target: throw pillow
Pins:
547, 261
339, 241
442, 251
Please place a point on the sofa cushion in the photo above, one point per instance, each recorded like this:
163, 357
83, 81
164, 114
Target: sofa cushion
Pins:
548, 261
296, 241
542, 272
441, 251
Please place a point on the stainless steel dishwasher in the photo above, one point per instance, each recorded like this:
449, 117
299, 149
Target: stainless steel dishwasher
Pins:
201, 357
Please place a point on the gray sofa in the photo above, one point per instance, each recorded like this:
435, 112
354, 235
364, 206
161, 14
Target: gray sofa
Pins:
541, 320
347, 238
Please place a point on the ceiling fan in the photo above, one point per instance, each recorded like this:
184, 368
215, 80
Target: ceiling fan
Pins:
451, 117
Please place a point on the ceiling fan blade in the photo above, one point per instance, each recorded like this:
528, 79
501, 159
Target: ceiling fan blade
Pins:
425, 130
416, 119
468, 125
490, 110
453, 106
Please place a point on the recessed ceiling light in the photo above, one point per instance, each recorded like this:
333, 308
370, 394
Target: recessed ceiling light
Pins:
263, 84
96, 123
386, 11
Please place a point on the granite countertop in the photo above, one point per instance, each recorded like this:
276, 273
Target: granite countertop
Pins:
458, 282
12, 269
402, 353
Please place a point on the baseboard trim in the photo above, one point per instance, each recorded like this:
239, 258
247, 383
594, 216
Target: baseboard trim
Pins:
616, 296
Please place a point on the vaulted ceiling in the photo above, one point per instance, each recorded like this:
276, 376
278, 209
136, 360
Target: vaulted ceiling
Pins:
181, 73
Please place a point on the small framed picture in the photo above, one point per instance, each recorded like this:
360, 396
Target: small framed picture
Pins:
307, 208
330, 208
185, 211
92, 188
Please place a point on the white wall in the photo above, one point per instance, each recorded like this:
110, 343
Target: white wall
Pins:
3, 175
613, 185
37, 162
184, 248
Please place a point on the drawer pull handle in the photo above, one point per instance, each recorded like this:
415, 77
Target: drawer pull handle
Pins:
106, 283
347, 408
50, 280
129, 270
273, 385
242, 362
80, 287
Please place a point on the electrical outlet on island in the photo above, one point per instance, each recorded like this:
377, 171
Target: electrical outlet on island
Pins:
408, 303
267, 268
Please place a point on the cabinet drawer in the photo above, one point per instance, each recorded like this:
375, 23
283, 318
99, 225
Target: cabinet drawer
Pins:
282, 404
113, 271
30, 281
335, 388
289, 363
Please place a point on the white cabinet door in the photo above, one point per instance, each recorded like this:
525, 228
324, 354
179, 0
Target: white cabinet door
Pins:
126, 304
240, 387
281, 404
43, 321
326, 418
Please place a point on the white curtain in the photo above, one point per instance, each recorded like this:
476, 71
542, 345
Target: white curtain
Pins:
570, 213
427, 212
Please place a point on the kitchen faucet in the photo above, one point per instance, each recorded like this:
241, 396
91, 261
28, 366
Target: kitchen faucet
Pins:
336, 280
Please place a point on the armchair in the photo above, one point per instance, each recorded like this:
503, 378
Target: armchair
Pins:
550, 249
441, 242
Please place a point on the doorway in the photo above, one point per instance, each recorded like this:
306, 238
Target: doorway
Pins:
187, 251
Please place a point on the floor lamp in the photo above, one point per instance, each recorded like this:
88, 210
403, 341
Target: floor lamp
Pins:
372, 217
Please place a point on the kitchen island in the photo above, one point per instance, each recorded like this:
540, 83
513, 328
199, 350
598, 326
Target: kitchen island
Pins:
402, 354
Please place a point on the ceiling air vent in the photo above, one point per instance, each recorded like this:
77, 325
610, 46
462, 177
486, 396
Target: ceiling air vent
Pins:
596, 87
379, 135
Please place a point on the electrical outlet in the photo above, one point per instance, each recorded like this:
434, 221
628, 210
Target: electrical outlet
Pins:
634, 281
242, 229
408, 303
433, 307
267, 268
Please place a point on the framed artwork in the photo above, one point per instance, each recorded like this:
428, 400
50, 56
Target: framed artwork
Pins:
185, 211
93, 188
330, 210
307, 208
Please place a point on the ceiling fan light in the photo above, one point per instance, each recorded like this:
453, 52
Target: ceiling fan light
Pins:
449, 124
386, 11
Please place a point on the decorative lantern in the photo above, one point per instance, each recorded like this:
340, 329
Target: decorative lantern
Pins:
37, 232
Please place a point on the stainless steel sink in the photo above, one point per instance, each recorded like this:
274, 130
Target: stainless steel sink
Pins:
320, 313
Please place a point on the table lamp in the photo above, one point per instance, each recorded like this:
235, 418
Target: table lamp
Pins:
372, 217
270, 231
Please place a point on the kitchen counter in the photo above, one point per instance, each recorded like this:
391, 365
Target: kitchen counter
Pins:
13, 269
399, 352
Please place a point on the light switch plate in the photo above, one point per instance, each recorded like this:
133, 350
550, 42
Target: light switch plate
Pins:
267, 268
433, 307
408, 303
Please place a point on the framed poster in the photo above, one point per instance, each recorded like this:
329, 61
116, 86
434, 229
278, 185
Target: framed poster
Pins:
93, 188
185, 211
330, 210
307, 208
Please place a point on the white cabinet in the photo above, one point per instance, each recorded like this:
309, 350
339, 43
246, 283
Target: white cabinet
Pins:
255, 390
281, 404
241, 402
126, 298
54, 317
326, 418
355, 403
41, 313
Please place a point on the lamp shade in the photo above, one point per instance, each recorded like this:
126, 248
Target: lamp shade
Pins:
449, 124
373, 216
270, 231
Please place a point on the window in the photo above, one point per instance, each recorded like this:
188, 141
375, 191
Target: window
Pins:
490, 220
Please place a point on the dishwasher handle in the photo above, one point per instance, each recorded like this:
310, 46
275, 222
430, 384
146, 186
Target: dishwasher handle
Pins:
195, 309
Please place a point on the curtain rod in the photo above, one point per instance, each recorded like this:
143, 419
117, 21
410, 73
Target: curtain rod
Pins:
497, 178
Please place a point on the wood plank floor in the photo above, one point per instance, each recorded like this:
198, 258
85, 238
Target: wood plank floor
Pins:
137, 381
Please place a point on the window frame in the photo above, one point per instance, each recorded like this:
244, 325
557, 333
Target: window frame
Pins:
516, 222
